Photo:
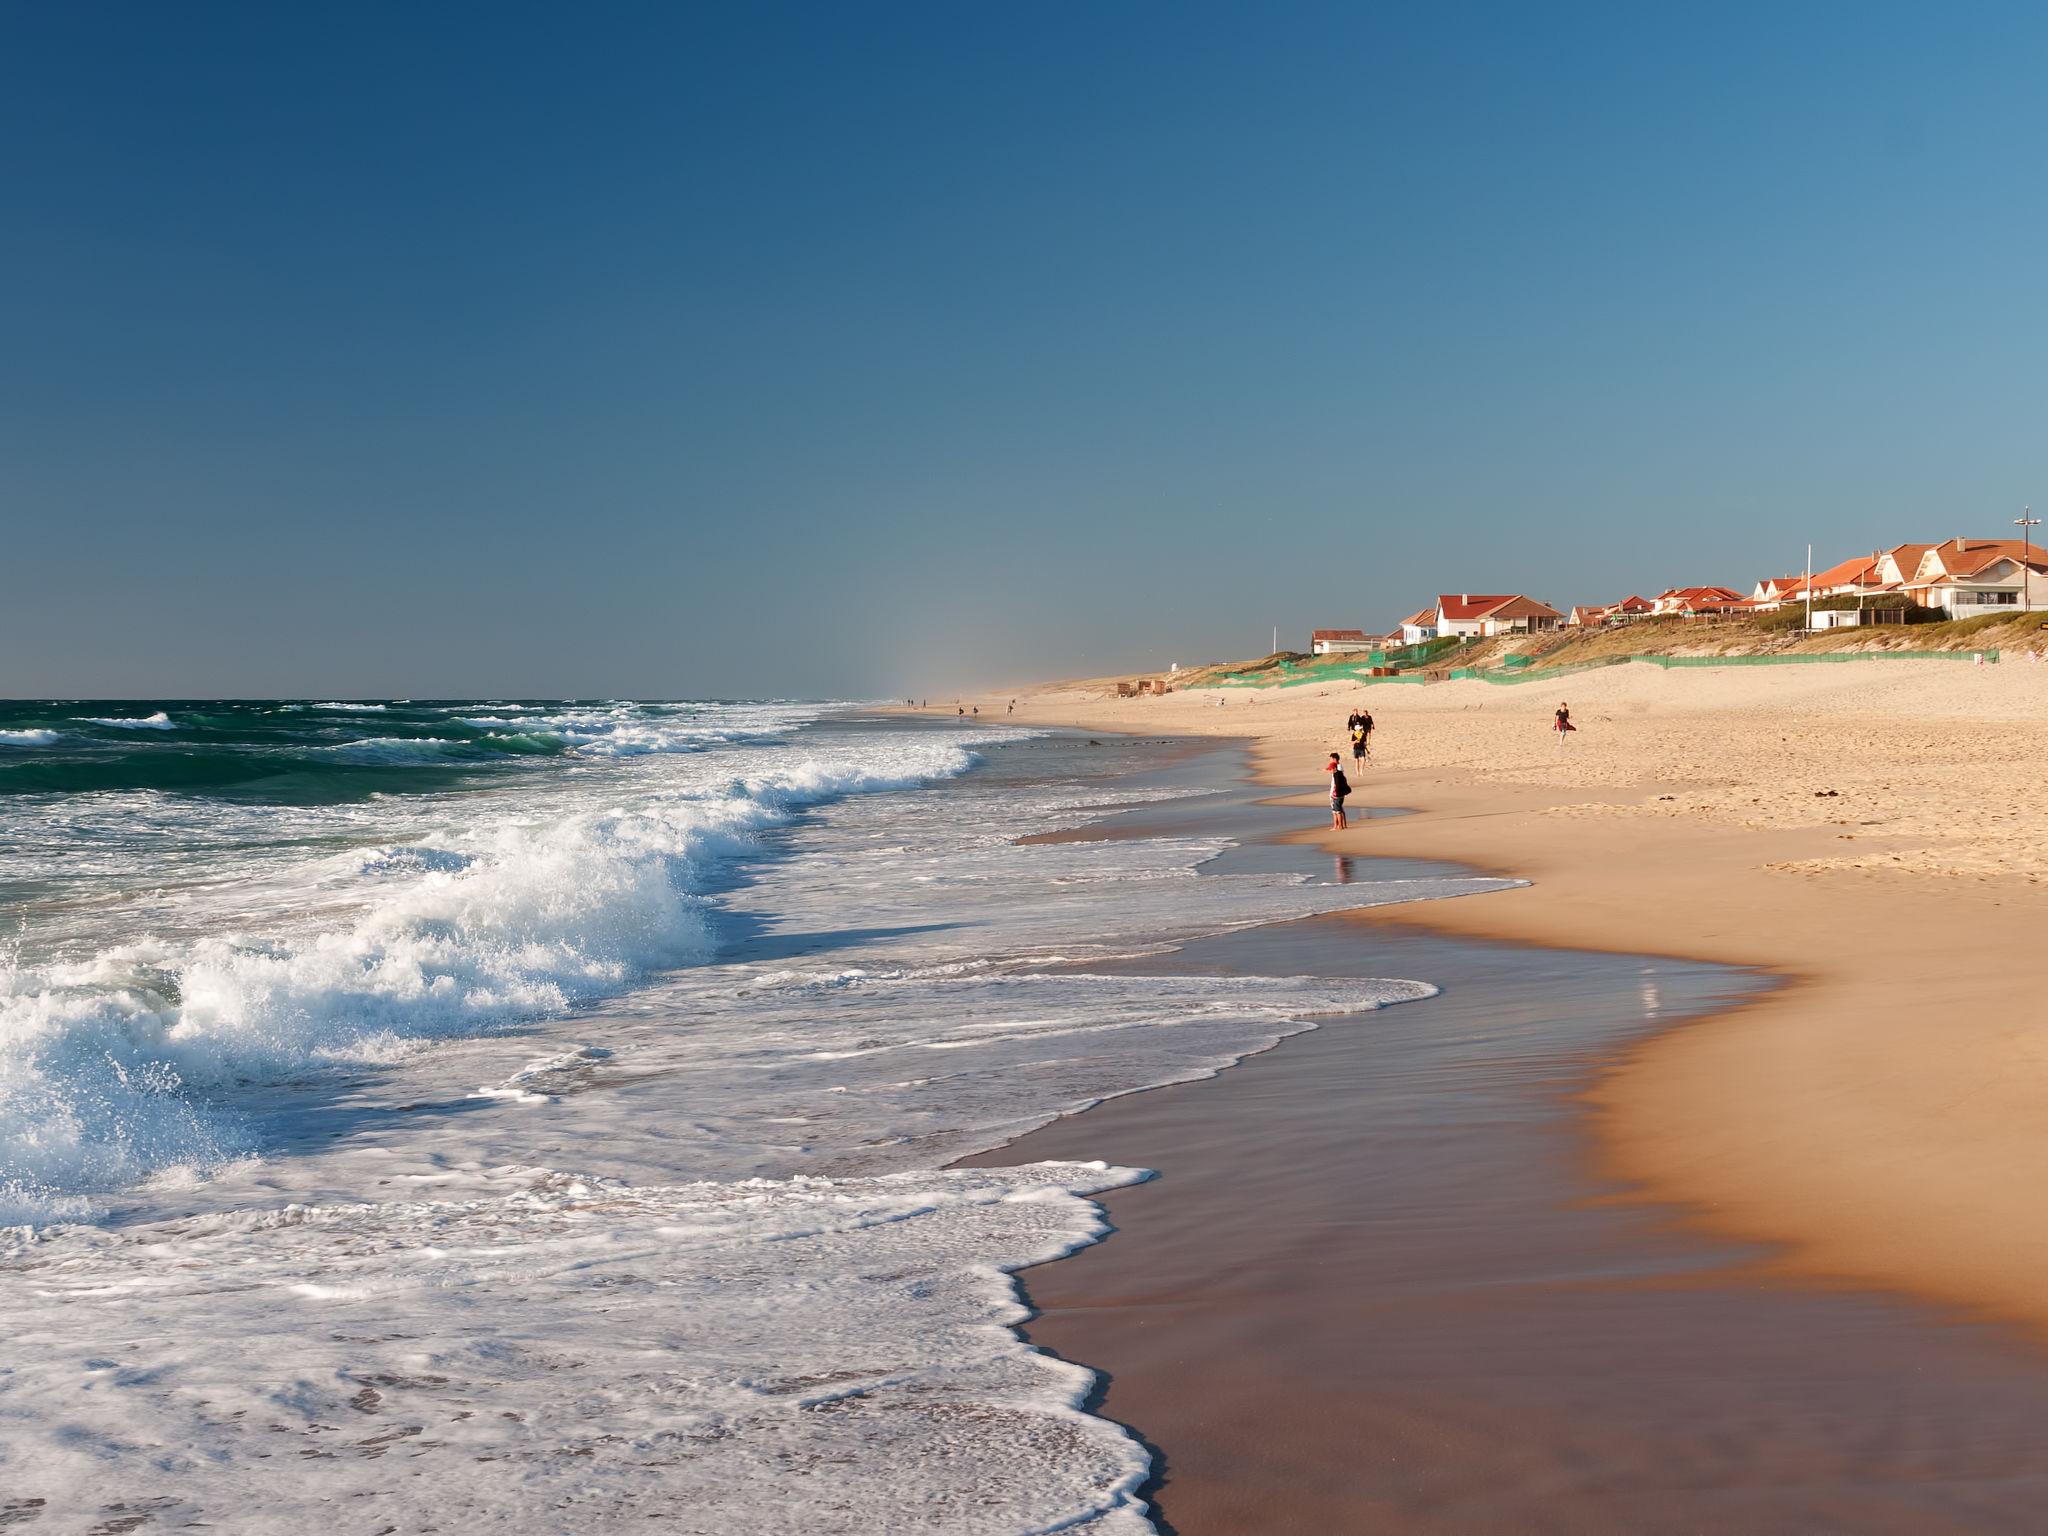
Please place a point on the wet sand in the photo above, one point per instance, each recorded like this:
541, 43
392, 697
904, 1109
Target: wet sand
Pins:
1868, 832
1380, 1286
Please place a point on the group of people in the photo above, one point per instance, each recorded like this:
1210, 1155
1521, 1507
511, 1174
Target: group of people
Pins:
1359, 729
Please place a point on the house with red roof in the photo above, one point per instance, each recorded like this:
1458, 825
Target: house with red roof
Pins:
1971, 577
1418, 628
1471, 615
1339, 642
1897, 565
1591, 615
1696, 602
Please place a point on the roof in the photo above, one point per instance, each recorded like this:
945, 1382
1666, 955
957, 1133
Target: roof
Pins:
1966, 557
1856, 571
1519, 607
1335, 634
1634, 604
1471, 605
1421, 617
1697, 596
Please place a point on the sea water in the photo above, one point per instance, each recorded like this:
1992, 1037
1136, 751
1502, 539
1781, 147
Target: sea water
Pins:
536, 1115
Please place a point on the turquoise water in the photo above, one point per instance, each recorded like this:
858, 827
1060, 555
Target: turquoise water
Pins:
331, 752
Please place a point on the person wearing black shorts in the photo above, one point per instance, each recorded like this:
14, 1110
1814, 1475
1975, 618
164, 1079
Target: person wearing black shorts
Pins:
1340, 789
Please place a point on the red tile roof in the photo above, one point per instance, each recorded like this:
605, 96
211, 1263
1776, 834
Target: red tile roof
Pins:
1519, 607
1701, 597
1335, 634
1471, 605
1966, 557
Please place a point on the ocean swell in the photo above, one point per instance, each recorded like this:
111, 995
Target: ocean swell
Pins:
109, 1066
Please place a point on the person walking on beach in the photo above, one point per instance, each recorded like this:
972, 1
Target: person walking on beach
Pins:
1357, 745
1564, 726
1340, 787
1365, 725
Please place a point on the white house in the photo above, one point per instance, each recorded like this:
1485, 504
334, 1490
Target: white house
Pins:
1970, 577
1340, 642
1419, 628
1471, 615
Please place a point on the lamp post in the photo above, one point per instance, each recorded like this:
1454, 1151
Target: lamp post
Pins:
2026, 522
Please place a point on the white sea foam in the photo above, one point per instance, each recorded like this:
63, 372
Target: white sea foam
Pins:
579, 1354
156, 722
30, 738
101, 1057
750, 1300
364, 709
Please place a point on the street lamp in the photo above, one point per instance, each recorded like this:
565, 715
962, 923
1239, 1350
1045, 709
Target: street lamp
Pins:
2026, 522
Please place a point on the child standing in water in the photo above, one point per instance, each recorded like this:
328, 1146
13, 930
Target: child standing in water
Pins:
1340, 787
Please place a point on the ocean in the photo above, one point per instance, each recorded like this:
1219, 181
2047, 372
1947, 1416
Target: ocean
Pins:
527, 1114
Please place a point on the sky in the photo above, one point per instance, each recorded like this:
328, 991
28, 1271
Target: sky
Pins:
839, 350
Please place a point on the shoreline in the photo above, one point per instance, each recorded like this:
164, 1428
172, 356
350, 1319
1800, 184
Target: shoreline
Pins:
1374, 1282
1826, 1121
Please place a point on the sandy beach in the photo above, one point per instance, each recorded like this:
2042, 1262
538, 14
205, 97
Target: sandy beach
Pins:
1863, 831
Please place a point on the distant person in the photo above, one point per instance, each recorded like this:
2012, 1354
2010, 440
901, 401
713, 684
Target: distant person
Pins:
960, 710
1340, 790
1012, 709
1365, 724
1357, 745
1564, 726
977, 711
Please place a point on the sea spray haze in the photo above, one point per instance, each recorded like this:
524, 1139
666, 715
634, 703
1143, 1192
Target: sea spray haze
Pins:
496, 1106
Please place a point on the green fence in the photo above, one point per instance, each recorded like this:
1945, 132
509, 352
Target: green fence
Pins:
1527, 669
1566, 669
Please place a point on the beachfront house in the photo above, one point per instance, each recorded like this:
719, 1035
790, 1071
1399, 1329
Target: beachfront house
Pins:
1967, 578
1591, 615
1698, 602
1522, 616
1419, 628
1471, 615
1858, 576
1899, 564
1339, 642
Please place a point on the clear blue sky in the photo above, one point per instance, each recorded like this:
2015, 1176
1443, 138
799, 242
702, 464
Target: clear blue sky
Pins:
861, 348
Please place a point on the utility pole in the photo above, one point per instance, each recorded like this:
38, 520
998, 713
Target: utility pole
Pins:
1276, 639
1809, 589
2026, 522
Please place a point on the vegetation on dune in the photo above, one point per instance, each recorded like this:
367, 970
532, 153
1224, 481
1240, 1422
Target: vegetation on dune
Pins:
1758, 634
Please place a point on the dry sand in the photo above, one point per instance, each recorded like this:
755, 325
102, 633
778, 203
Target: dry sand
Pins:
1884, 1121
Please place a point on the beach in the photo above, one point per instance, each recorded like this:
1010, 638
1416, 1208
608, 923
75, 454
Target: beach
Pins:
1861, 831
527, 1114
713, 1112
